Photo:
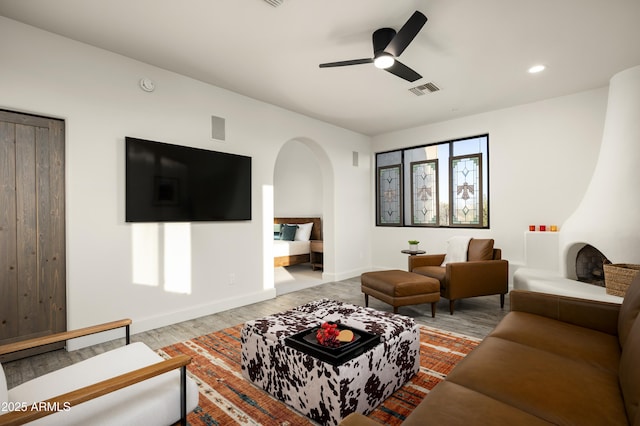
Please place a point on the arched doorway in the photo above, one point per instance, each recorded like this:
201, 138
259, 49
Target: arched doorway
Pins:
301, 186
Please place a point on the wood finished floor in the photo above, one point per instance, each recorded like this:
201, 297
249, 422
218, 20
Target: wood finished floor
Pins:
474, 317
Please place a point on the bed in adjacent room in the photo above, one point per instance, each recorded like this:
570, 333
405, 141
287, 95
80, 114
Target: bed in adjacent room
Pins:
292, 239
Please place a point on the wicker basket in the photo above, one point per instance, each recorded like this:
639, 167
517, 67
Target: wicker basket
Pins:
618, 276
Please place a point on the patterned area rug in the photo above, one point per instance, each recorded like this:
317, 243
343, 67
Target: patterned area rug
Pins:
226, 398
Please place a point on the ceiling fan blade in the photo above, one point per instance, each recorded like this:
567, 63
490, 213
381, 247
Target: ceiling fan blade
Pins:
401, 70
407, 33
347, 63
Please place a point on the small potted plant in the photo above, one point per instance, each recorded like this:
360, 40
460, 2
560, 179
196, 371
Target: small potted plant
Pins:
413, 245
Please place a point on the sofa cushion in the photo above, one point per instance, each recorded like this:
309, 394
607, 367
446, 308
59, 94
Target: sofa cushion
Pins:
437, 272
630, 374
629, 310
555, 388
444, 407
480, 249
595, 348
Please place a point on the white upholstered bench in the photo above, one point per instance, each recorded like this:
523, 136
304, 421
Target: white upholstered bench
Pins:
130, 385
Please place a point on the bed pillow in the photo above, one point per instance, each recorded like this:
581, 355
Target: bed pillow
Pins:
288, 232
303, 233
277, 229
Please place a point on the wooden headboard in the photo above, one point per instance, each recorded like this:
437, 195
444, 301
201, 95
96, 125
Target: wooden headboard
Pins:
316, 230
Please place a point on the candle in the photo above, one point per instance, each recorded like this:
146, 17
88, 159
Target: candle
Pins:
532, 227
554, 228
543, 228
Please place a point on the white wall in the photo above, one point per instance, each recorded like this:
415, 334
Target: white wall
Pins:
541, 158
97, 94
297, 182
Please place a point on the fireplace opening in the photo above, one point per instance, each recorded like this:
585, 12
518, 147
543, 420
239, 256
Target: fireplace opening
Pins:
590, 265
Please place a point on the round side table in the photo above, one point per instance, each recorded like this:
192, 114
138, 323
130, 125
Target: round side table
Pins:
411, 253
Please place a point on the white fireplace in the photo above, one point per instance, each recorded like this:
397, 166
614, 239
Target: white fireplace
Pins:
608, 217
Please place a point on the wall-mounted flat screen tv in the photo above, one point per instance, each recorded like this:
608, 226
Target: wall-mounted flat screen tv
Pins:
173, 183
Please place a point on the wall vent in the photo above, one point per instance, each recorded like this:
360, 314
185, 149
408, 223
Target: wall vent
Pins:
424, 88
275, 3
218, 128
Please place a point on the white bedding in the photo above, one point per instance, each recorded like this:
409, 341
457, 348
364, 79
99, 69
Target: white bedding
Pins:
290, 248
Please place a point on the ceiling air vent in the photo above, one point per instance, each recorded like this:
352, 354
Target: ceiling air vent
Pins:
274, 3
424, 88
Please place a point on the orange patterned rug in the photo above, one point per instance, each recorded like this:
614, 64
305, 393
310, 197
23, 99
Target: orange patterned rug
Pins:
226, 398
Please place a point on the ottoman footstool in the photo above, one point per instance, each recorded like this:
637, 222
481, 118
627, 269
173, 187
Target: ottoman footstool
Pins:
323, 392
400, 288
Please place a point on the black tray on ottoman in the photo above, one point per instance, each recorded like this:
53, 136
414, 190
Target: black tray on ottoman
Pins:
305, 341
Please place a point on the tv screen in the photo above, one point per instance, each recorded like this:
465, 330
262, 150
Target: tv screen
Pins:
172, 183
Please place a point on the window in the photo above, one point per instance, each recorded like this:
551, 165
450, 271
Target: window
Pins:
438, 185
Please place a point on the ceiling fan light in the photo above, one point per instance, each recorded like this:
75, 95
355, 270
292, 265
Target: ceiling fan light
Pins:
383, 61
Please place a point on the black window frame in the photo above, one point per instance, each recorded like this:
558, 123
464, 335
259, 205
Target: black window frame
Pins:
406, 185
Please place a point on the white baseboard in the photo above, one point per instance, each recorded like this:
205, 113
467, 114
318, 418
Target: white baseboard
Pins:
349, 274
290, 287
169, 318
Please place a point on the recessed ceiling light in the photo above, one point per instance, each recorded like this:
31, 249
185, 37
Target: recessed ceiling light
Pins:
536, 69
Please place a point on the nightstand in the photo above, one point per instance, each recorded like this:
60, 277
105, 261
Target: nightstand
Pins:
316, 255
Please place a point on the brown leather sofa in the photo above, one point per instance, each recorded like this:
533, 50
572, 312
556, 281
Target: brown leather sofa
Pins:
485, 272
551, 360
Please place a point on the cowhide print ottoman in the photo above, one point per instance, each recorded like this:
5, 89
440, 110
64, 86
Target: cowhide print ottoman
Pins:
321, 391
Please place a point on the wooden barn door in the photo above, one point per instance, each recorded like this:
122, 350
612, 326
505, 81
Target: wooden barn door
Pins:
32, 228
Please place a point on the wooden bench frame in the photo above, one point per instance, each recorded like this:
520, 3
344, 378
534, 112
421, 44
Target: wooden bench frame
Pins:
95, 390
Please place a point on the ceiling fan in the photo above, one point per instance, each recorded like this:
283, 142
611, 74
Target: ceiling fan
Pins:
388, 46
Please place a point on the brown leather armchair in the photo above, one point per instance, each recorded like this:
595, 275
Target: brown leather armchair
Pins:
485, 272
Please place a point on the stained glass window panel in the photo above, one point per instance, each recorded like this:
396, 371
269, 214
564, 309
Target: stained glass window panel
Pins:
466, 191
424, 190
389, 195
442, 184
